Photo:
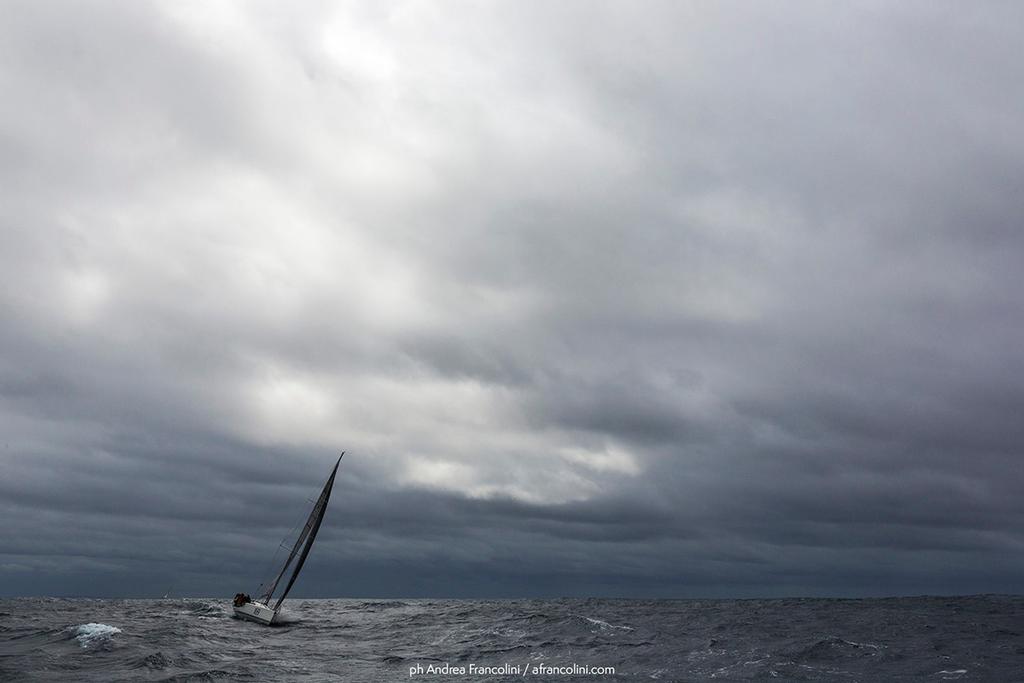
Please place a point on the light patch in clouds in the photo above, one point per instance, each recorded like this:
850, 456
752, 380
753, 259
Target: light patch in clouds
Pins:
608, 459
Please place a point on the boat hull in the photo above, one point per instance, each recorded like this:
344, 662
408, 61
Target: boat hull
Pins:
256, 611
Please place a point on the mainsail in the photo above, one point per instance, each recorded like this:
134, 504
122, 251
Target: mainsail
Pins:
304, 542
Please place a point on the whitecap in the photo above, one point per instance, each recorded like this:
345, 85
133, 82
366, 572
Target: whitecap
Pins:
87, 634
605, 625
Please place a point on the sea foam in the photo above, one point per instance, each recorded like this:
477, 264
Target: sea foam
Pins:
88, 634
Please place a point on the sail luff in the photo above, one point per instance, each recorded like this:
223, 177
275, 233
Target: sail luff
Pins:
318, 511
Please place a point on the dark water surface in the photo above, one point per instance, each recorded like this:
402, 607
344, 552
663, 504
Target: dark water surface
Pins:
976, 638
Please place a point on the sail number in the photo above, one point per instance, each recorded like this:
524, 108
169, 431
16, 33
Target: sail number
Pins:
257, 611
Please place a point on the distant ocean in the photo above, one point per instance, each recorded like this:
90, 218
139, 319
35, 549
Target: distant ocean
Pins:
977, 638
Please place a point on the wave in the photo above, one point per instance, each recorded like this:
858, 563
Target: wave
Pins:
156, 661
285, 617
208, 675
376, 639
833, 647
604, 625
94, 633
373, 605
205, 609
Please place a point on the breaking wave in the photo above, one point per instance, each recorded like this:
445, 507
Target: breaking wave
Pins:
93, 633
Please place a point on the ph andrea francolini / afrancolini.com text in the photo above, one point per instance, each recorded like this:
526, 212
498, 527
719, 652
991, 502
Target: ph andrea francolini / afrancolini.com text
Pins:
507, 669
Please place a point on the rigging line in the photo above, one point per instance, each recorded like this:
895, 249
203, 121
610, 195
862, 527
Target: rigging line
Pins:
268, 594
300, 541
273, 560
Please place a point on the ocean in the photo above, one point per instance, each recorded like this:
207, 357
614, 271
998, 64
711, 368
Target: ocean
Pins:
975, 638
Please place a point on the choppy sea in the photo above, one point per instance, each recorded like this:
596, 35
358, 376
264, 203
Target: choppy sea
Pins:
975, 638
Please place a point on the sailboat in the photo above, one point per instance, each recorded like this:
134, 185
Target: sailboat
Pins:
260, 609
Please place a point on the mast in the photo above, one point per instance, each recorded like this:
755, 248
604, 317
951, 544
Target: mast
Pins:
308, 534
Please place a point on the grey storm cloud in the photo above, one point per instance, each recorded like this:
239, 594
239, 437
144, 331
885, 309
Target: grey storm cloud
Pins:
657, 300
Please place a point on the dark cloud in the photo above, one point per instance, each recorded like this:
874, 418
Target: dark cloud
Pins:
655, 301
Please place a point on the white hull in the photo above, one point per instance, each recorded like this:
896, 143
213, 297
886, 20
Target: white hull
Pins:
256, 611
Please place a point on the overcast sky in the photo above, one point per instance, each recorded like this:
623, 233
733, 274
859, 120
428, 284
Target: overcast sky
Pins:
626, 299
